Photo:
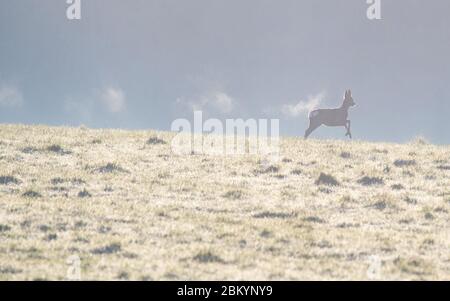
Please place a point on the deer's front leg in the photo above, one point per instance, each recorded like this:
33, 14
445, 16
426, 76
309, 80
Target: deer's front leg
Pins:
347, 126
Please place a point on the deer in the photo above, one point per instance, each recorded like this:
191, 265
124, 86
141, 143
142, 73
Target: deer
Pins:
332, 117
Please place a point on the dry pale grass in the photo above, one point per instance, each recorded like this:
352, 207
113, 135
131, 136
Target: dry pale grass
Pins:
131, 209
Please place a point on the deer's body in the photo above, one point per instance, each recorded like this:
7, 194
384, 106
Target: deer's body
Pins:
332, 117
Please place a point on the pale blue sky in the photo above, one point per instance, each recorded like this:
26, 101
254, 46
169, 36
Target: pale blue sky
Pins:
143, 63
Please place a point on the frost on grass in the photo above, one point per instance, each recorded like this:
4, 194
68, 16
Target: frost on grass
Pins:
84, 194
325, 179
5, 180
346, 155
155, 141
73, 181
9, 270
109, 249
234, 194
269, 214
29, 150
369, 181
404, 163
296, 172
4, 228
155, 215
110, 167
397, 187
31, 194
208, 257
266, 170
380, 205
314, 219
57, 149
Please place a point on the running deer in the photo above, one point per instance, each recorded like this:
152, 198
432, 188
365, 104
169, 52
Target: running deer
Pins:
332, 117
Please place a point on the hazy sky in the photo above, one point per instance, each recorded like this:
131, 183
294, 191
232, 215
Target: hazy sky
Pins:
143, 63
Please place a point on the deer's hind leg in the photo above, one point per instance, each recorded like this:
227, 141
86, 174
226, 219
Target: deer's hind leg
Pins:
347, 126
312, 126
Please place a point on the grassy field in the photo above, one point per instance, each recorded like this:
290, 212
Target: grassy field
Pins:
129, 208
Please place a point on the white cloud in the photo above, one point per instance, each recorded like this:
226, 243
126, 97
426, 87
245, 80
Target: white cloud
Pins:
223, 102
218, 101
303, 106
10, 96
86, 108
113, 99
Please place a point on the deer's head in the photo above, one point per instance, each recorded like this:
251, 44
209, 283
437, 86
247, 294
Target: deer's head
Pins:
348, 99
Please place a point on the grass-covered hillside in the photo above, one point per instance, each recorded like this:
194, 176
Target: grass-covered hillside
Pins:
129, 208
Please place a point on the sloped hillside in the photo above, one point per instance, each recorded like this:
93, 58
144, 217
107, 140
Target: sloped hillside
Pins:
127, 207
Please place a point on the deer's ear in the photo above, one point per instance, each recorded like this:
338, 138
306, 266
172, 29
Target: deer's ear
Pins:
346, 94
349, 92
